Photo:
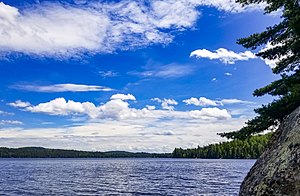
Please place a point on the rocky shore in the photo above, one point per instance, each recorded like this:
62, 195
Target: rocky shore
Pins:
277, 170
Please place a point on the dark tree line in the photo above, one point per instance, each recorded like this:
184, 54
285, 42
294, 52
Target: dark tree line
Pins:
39, 152
251, 148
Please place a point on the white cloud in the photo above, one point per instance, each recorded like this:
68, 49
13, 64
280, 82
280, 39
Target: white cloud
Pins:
119, 109
229, 5
269, 62
202, 101
52, 29
235, 101
10, 122
8, 13
230, 57
62, 88
134, 135
62, 30
164, 71
166, 103
228, 74
60, 106
224, 55
208, 113
272, 63
6, 113
118, 126
19, 104
150, 107
115, 108
108, 74
123, 97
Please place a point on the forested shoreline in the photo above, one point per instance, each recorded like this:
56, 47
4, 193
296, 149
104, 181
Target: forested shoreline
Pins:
251, 148
39, 152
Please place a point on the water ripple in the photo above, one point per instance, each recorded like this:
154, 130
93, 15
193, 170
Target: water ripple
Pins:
121, 176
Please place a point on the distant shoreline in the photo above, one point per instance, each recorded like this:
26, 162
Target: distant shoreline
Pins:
40, 152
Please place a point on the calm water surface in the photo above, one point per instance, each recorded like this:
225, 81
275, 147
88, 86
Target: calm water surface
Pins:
122, 176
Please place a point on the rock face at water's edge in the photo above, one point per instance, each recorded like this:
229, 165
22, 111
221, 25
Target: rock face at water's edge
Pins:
277, 170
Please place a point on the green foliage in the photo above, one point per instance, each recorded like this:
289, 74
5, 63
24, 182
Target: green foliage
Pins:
38, 152
285, 41
251, 148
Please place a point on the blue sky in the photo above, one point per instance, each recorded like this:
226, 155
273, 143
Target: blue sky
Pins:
127, 75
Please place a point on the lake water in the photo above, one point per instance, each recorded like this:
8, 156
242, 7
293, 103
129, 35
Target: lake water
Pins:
122, 176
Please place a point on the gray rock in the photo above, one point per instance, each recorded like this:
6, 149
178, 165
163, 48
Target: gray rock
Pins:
277, 170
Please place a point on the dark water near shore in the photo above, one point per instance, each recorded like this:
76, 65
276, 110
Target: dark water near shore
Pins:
122, 176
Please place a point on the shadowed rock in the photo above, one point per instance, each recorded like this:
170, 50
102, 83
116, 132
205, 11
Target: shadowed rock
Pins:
277, 170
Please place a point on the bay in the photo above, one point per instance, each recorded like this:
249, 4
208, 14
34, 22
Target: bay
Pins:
122, 176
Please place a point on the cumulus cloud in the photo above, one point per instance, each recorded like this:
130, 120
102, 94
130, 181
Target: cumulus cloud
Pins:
115, 108
62, 30
228, 74
60, 106
202, 101
19, 104
118, 109
166, 103
123, 97
230, 57
61, 88
208, 113
224, 55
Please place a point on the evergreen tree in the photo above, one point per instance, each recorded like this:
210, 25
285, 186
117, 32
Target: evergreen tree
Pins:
284, 39
250, 148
